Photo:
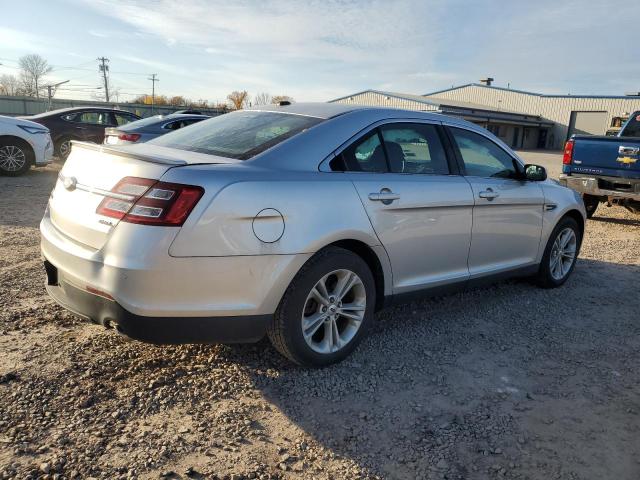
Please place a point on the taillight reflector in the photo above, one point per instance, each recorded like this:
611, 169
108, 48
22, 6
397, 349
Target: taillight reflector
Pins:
129, 137
567, 157
150, 202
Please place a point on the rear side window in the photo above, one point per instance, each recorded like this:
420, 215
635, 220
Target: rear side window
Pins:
365, 155
482, 157
239, 135
414, 148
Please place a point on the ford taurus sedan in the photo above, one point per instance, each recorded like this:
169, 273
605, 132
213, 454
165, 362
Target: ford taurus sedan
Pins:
297, 222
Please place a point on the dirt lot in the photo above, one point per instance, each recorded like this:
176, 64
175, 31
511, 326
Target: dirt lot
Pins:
506, 382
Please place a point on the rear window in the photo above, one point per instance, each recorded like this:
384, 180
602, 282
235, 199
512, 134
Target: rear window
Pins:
239, 135
632, 129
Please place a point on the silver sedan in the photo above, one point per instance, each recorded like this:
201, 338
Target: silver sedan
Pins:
297, 222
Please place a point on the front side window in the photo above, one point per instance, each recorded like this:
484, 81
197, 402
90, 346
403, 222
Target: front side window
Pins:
239, 135
632, 128
414, 148
482, 157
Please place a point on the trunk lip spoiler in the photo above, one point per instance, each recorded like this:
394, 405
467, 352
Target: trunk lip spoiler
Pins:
71, 183
124, 153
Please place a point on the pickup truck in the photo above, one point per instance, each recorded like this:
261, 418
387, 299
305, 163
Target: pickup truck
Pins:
605, 169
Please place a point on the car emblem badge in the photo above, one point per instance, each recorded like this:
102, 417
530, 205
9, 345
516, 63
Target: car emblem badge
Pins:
627, 160
70, 183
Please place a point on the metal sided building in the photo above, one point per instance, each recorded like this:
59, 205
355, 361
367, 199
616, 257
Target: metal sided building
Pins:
524, 120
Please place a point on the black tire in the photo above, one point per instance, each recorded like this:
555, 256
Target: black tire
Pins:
591, 203
285, 330
19, 150
60, 152
544, 278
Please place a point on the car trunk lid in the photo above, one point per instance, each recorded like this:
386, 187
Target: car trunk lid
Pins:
88, 176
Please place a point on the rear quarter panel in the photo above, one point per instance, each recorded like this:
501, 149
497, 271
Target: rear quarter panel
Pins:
317, 208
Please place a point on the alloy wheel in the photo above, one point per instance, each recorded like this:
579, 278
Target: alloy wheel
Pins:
65, 147
333, 311
563, 253
12, 158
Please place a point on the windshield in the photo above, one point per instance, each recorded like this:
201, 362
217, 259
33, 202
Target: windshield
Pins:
239, 135
632, 128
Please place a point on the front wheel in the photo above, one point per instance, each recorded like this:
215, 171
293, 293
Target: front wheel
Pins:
560, 254
15, 157
326, 310
63, 147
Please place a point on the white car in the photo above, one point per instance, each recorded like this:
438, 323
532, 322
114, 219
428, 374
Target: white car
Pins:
22, 144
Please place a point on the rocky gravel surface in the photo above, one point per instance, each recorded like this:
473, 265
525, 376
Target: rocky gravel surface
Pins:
506, 382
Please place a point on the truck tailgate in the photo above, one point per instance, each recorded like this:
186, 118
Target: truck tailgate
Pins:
610, 156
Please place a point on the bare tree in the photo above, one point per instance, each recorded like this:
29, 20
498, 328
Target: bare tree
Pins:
177, 101
9, 85
281, 98
263, 98
33, 69
238, 100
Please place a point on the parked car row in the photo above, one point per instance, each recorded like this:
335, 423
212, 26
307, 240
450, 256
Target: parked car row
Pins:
32, 141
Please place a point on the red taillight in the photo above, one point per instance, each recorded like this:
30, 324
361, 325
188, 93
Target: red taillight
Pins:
150, 202
568, 153
129, 137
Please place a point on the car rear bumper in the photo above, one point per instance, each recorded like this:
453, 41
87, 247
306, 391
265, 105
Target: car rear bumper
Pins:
597, 186
135, 269
158, 330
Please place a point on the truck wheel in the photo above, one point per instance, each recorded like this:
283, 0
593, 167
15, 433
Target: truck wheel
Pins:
591, 203
560, 254
326, 310
16, 157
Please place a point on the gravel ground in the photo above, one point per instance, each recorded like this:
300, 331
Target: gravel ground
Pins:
506, 382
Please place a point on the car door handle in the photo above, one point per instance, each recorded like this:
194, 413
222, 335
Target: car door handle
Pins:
489, 194
622, 150
385, 196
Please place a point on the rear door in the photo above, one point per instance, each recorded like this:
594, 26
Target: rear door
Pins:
420, 209
507, 212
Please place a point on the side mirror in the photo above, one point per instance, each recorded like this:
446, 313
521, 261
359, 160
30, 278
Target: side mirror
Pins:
535, 173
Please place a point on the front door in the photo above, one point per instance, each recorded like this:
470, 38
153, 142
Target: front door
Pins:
507, 215
420, 211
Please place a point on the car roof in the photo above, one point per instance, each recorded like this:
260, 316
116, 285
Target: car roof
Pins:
78, 109
331, 110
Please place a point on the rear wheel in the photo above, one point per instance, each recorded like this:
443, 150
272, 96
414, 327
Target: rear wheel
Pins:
326, 310
16, 156
591, 203
560, 254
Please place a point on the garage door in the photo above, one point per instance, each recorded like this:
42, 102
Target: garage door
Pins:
588, 123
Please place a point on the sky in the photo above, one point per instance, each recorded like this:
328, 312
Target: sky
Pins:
318, 50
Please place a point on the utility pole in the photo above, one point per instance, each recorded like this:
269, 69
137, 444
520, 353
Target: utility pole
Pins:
51, 91
104, 68
153, 89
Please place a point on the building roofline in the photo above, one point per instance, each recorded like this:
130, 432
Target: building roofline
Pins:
631, 97
426, 101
